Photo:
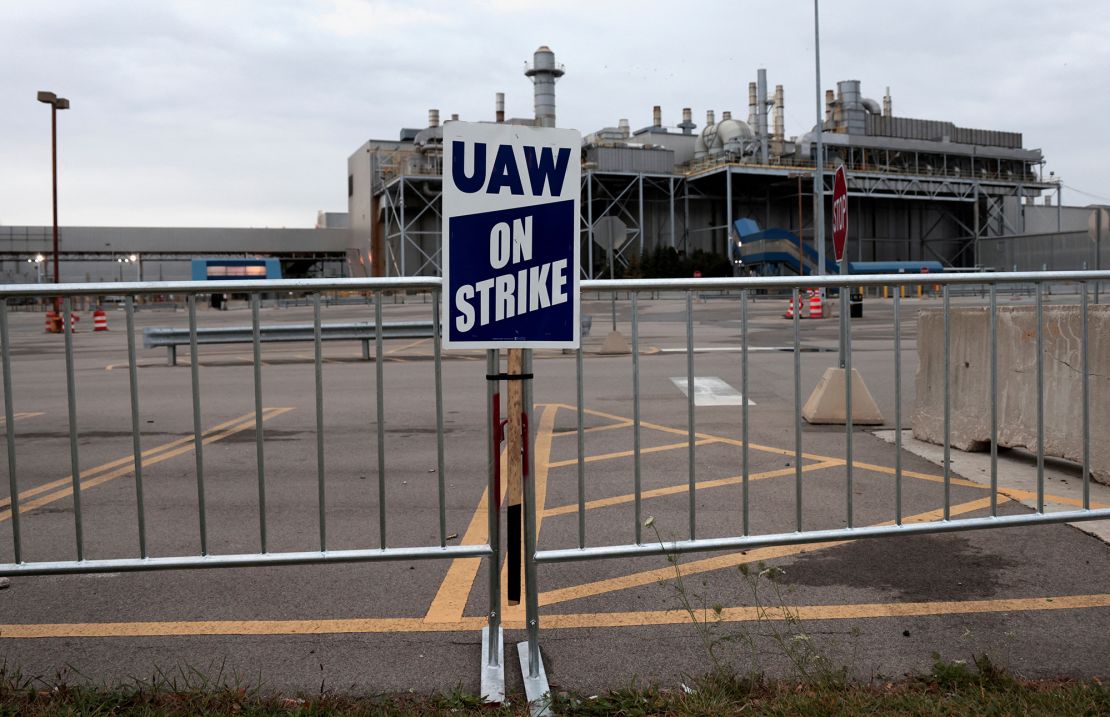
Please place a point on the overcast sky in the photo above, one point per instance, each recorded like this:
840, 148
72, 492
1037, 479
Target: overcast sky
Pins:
225, 113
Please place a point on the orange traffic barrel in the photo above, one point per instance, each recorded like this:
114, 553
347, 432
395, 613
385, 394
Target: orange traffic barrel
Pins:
53, 322
816, 307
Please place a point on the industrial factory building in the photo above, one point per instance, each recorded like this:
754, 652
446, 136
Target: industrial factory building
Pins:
95, 254
742, 190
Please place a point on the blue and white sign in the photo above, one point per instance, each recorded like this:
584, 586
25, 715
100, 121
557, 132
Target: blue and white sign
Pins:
510, 236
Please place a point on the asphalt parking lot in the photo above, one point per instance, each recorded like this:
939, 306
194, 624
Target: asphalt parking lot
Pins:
1035, 599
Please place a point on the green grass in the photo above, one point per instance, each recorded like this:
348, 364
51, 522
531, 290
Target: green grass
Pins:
951, 688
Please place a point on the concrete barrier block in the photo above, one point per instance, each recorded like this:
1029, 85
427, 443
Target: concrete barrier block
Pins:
1017, 381
827, 402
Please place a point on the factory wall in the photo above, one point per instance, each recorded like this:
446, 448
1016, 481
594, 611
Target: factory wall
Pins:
360, 216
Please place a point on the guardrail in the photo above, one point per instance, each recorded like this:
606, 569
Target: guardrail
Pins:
364, 332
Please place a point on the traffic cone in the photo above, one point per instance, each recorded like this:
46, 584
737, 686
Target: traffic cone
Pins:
789, 310
816, 308
100, 320
53, 322
73, 319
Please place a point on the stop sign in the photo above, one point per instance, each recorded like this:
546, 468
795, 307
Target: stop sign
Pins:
840, 212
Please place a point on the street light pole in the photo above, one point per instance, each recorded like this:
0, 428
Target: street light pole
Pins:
56, 103
819, 171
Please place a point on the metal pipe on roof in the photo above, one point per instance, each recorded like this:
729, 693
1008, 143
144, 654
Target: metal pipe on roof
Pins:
830, 102
761, 116
656, 116
751, 104
625, 128
499, 107
886, 104
726, 115
780, 122
433, 118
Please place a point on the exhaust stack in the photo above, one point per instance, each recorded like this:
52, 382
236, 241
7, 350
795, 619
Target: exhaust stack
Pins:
544, 72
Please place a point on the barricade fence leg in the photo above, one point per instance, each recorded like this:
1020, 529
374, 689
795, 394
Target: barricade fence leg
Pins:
531, 665
493, 637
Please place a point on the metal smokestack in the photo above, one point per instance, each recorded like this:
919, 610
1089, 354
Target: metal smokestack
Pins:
625, 128
455, 117
656, 116
687, 126
710, 119
779, 132
544, 72
433, 118
752, 117
830, 100
499, 106
886, 104
761, 107
726, 115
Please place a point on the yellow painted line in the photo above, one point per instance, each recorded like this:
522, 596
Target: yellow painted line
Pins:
30, 505
557, 622
683, 487
1016, 494
542, 459
888, 470
833, 612
406, 346
450, 599
143, 363
454, 591
249, 360
21, 414
595, 429
312, 358
147, 454
920, 476
706, 436
648, 577
629, 454
1013, 493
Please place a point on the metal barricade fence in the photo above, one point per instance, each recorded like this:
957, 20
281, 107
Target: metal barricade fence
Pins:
531, 663
739, 291
492, 670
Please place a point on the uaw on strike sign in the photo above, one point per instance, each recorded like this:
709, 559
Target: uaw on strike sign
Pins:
510, 236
